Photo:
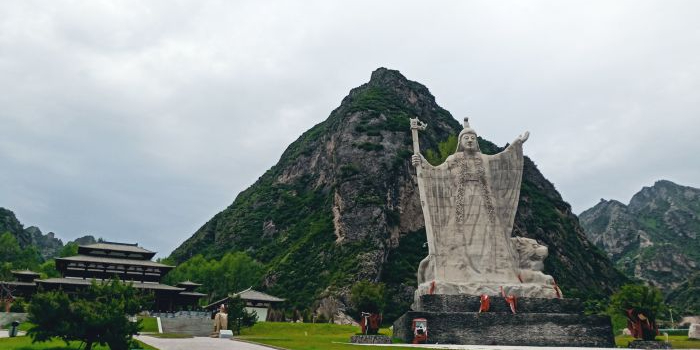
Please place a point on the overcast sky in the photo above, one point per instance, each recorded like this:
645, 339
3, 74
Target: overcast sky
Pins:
137, 121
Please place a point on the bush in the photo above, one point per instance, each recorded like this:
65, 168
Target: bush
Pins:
368, 297
18, 305
95, 315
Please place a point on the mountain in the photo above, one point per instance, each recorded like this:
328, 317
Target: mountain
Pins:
342, 205
47, 245
656, 238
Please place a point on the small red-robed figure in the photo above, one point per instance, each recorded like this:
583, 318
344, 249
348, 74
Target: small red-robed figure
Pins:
485, 303
510, 300
370, 323
641, 325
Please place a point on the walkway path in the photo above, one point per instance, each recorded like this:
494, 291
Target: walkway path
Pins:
199, 343
4, 333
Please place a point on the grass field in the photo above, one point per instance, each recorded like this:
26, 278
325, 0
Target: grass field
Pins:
306, 336
25, 343
149, 324
677, 341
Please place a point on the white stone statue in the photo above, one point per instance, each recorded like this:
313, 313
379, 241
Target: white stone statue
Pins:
469, 205
220, 321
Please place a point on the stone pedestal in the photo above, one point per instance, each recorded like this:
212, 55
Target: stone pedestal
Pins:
370, 339
454, 319
649, 344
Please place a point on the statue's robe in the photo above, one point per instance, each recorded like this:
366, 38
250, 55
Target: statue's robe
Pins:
469, 204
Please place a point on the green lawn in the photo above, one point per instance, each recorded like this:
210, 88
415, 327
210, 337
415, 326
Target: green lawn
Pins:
149, 324
307, 336
25, 343
677, 341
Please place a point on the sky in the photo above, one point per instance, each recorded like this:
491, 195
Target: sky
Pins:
138, 121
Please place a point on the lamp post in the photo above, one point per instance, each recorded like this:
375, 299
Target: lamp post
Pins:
670, 310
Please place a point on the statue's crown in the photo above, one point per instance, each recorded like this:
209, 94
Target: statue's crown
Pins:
467, 129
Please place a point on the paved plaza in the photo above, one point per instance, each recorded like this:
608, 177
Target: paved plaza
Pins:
4, 333
199, 343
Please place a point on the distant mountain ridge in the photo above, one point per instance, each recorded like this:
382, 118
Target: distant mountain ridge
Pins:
656, 238
48, 245
342, 205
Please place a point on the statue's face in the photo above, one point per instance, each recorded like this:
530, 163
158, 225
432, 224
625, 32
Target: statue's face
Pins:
469, 142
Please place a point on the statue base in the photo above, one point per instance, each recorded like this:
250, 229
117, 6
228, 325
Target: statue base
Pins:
454, 319
524, 290
370, 339
649, 344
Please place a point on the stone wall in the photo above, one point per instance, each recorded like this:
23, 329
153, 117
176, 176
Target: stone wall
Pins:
199, 327
500, 328
8, 317
454, 319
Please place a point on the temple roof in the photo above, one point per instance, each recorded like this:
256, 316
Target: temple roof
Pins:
85, 282
115, 261
248, 294
195, 294
24, 272
17, 283
120, 247
188, 283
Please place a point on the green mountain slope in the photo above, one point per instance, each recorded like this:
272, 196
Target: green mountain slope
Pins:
342, 205
656, 238
47, 245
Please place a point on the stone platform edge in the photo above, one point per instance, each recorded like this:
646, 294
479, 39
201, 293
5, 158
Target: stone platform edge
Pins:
470, 303
501, 328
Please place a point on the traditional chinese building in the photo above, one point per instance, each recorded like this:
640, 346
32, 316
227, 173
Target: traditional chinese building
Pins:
256, 301
23, 285
127, 262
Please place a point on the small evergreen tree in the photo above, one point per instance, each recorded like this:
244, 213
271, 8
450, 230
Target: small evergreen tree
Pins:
96, 315
238, 317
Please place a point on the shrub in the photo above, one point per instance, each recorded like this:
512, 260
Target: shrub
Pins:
368, 297
96, 315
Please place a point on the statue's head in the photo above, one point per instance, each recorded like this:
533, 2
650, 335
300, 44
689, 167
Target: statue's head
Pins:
467, 140
531, 254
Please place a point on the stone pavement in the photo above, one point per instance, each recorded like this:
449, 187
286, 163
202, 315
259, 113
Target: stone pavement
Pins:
199, 343
4, 333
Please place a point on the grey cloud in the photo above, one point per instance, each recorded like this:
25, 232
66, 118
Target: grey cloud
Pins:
137, 121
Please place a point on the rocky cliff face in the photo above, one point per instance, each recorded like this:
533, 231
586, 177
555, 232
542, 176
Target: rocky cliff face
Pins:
342, 205
47, 244
655, 238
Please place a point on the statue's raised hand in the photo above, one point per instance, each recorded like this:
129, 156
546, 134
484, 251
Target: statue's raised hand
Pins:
522, 138
416, 161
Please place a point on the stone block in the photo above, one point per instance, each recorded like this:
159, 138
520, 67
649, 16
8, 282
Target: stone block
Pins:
225, 334
694, 331
370, 339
